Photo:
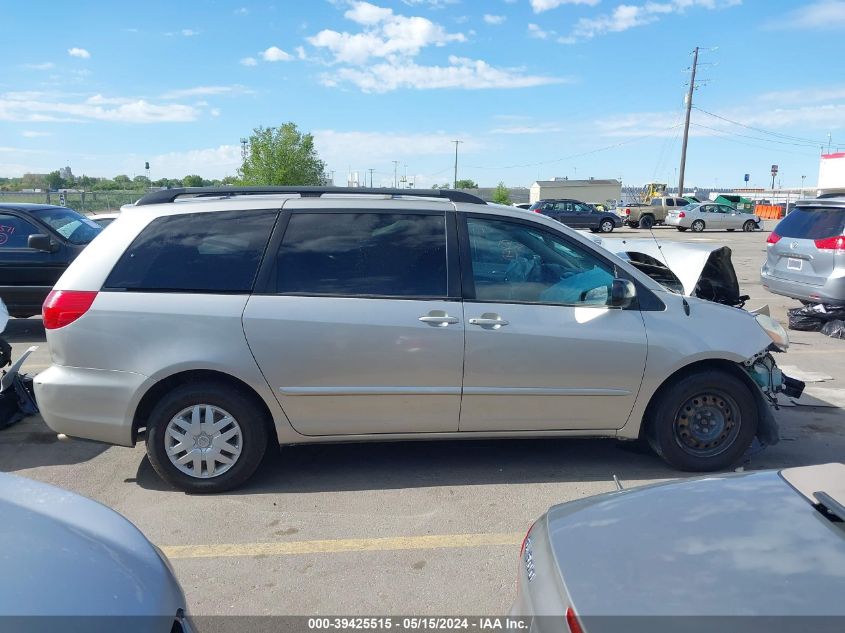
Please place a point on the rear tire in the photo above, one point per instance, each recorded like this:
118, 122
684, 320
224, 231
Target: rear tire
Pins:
682, 228
242, 449
697, 226
703, 422
749, 226
646, 222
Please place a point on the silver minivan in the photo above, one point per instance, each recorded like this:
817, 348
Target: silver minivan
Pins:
805, 254
216, 322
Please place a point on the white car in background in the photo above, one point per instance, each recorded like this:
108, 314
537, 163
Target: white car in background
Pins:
709, 215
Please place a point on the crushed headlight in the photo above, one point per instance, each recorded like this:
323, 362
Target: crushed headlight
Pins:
775, 331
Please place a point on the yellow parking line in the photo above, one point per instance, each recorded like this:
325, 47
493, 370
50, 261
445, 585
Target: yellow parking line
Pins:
436, 541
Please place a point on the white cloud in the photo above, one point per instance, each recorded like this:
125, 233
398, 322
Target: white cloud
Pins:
544, 5
36, 107
820, 15
198, 91
628, 16
78, 52
348, 148
249, 61
41, 66
276, 54
241, 11
535, 31
461, 72
434, 4
494, 19
214, 162
189, 32
34, 134
300, 52
385, 34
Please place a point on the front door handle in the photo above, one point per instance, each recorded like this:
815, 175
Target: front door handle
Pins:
438, 318
489, 320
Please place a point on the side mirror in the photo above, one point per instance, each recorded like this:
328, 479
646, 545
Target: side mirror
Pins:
41, 242
622, 293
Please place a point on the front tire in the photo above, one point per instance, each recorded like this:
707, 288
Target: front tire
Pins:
697, 226
703, 422
606, 226
206, 437
749, 226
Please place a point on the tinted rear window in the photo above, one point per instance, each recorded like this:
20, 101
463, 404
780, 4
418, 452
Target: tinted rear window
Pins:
198, 252
812, 223
374, 254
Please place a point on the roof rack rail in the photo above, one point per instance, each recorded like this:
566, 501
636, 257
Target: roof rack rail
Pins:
165, 196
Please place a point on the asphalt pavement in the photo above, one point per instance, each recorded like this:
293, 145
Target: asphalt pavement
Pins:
398, 528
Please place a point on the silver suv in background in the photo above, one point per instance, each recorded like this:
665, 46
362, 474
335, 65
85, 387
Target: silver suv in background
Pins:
221, 321
805, 254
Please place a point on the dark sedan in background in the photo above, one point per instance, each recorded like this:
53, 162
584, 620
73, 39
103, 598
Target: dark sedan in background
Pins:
578, 215
37, 243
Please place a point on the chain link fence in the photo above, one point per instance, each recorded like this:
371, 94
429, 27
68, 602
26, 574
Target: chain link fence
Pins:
87, 202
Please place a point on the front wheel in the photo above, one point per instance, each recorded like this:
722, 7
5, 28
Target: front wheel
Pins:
606, 226
697, 226
749, 226
703, 422
206, 437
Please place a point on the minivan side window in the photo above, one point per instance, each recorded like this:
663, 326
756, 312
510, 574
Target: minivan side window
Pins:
363, 254
512, 262
14, 232
196, 252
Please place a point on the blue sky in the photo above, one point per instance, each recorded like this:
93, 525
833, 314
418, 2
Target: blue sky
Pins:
533, 88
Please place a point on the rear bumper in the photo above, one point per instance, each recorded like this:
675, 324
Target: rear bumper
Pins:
831, 293
88, 403
674, 221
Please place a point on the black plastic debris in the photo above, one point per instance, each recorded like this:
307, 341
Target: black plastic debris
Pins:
813, 318
834, 328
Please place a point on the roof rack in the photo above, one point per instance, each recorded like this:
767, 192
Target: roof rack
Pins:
171, 195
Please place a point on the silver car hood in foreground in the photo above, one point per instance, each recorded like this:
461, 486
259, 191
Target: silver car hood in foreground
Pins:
64, 555
724, 545
698, 270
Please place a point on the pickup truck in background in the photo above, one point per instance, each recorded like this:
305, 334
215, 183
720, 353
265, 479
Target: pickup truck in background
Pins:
645, 216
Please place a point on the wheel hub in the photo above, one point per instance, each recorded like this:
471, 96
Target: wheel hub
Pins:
203, 441
707, 424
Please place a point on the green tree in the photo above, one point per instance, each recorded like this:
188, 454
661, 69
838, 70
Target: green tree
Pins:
122, 181
282, 156
54, 180
192, 180
141, 182
466, 183
501, 195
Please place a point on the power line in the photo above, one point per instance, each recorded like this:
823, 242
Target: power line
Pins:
587, 153
757, 129
753, 138
728, 136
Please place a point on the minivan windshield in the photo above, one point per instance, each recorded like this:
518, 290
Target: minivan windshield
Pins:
812, 223
75, 228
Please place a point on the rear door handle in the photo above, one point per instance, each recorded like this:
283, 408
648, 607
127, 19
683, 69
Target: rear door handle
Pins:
438, 318
489, 320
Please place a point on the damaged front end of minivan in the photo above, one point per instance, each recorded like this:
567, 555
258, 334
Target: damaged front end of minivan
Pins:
764, 372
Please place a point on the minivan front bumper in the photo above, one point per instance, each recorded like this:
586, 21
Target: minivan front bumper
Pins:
88, 403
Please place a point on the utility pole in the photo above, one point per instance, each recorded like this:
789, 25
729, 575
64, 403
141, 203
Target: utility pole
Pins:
371, 170
686, 123
455, 182
395, 174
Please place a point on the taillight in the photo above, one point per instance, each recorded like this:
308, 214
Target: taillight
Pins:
773, 238
681, 214
572, 621
62, 307
537, 210
836, 243
627, 212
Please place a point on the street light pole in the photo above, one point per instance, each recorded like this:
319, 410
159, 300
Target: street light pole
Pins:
686, 123
455, 182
